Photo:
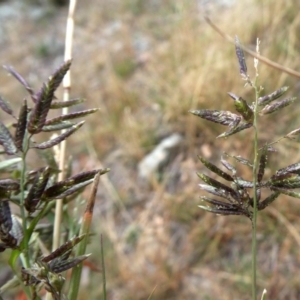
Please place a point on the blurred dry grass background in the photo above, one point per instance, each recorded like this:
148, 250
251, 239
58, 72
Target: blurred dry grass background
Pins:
145, 64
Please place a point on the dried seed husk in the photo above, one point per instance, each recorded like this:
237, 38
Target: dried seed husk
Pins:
21, 126
235, 130
263, 204
6, 140
269, 109
71, 116
215, 169
60, 138
4, 105
64, 248
264, 100
293, 135
218, 116
242, 107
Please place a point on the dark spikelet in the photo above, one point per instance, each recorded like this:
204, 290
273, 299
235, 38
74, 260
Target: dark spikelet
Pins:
59, 259
242, 107
71, 116
288, 181
262, 165
58, 126
60, 138
228, 166
44, 98
243, 183
40, 111
215, 169
218, 116
21, 126
10, 184
62, 104
83, 176
287, 192
217, 203
37, 189
217, 184
263, 204
215, 191
225, 211
9, 240
241, 160
61, 186
235, 130
241, 57
67, 191
5, 217
64, 248
294, 168
6, 140
64, 265
56, 79
271, 97
19, 78
269, 109
4, 105
16, 231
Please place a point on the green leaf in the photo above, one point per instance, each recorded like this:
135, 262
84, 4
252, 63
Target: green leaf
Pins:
15, 253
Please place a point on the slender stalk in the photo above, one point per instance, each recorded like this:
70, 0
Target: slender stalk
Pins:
254, 220
25, 254
103, 269
66, 96
62, 152
85, 229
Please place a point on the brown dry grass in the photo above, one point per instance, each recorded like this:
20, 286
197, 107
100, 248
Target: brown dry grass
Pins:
156, 238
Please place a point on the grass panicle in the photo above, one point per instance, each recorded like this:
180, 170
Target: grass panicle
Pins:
244, 197
34, 191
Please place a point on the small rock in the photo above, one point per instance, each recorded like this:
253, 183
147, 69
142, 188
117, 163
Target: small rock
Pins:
159, 156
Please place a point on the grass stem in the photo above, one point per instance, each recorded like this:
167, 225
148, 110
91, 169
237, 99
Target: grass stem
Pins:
255, 170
